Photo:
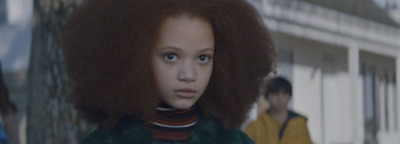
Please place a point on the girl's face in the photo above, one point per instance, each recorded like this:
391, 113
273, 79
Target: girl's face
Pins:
183, 60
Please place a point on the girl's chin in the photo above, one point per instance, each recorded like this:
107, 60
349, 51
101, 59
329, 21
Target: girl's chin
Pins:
182, 106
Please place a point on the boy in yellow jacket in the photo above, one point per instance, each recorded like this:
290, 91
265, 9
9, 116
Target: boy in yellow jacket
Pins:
279, 125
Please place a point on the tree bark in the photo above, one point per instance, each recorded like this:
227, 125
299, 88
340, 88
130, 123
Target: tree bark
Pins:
51, 116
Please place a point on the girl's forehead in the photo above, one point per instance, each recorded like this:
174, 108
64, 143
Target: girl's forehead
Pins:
184, 32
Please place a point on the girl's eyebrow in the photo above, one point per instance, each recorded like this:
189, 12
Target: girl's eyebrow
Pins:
207, 49
179, 49
170, 48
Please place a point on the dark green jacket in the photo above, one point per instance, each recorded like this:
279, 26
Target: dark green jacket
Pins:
206, 131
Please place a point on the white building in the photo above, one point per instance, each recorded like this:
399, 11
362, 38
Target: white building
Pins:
343, 58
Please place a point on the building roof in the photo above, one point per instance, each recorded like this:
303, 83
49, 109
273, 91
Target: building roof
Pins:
361, 8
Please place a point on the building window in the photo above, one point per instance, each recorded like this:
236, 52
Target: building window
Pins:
386, 97
371, 103
395, 102
285, 62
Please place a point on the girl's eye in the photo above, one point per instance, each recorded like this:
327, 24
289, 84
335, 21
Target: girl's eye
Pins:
170, 57
204, 58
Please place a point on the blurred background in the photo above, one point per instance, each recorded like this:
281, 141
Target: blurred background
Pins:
342, 57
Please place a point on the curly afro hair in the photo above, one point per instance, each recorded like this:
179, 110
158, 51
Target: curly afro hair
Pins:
108, 46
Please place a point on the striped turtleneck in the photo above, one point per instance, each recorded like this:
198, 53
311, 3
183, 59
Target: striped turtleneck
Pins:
172, 125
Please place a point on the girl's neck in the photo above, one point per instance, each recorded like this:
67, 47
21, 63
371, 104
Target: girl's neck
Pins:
172, 124
280, 115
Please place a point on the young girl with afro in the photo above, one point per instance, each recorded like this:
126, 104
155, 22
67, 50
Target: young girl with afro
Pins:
166, 71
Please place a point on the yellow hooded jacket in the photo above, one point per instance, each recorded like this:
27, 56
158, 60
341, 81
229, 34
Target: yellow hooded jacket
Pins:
266, 130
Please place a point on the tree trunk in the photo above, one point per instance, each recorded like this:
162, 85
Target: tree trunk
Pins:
51, 116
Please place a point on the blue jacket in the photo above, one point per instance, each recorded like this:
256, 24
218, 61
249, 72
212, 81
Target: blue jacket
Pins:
3, 136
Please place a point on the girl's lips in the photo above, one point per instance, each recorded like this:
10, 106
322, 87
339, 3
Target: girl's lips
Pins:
185, 92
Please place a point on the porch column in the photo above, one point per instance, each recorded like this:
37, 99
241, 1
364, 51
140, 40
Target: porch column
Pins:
356, 97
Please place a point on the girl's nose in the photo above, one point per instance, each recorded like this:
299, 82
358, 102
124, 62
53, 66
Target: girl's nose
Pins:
187, 72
